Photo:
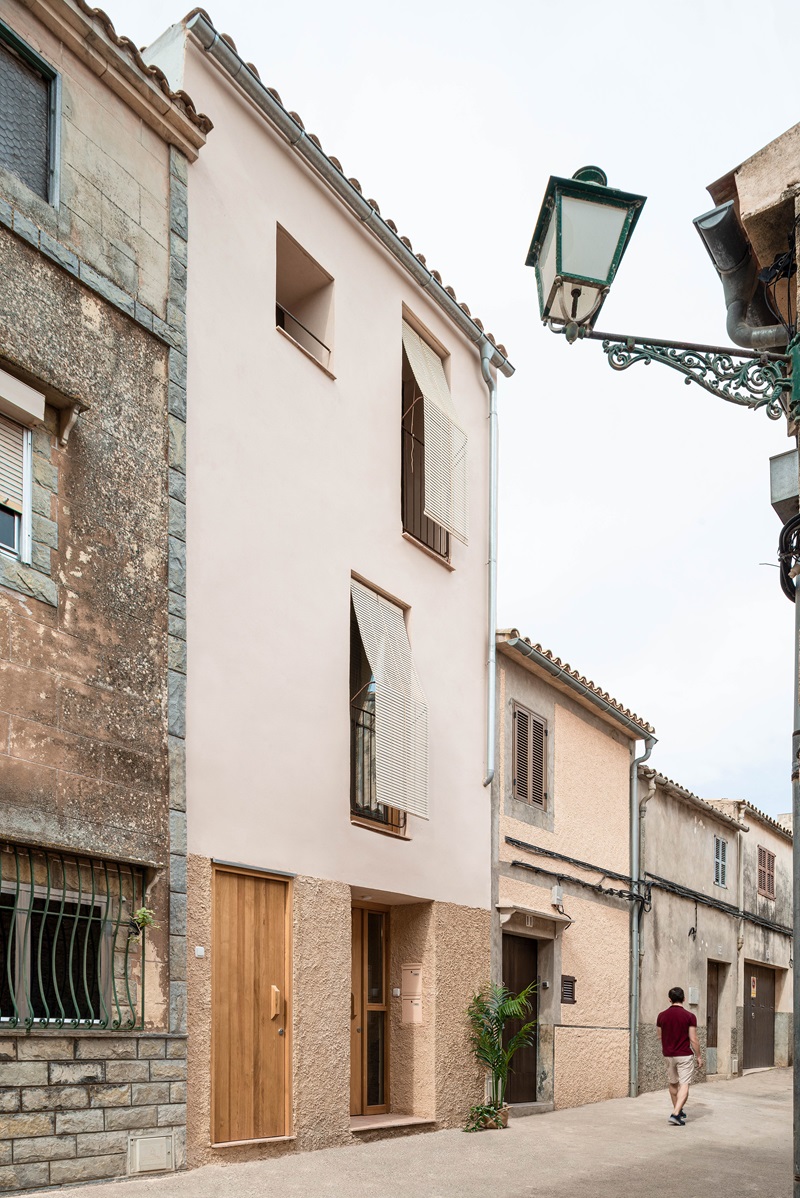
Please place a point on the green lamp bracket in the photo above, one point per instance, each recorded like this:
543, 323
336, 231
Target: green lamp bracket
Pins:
750, 378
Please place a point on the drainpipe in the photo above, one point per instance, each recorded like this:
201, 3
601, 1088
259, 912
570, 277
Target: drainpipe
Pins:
487, 353
635, 916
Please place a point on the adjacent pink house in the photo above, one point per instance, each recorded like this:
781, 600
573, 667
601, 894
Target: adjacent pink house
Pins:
338, 489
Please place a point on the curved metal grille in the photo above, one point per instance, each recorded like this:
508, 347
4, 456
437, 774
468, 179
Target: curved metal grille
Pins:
70, 953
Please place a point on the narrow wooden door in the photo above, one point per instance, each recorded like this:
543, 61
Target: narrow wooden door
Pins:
369, 1020
250, 1007
519, 970
712, 1004
759, 1017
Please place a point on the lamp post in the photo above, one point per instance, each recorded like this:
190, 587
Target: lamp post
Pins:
581, 234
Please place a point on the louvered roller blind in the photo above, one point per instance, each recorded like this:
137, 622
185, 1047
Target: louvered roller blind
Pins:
720, 861
11, 464
401, 714
529, 765
445, 449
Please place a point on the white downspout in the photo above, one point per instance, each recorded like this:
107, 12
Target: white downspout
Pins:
487, 351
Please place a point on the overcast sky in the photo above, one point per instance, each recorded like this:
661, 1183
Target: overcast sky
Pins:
634, 510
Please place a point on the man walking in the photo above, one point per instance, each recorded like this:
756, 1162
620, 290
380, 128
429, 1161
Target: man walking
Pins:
677, 1031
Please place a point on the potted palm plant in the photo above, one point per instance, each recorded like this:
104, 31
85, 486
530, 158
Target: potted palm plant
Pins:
488, 1013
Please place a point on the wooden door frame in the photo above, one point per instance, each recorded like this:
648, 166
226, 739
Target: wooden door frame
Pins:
385, 1007
286, 879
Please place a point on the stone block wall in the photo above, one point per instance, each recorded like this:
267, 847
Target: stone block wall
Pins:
70, 1103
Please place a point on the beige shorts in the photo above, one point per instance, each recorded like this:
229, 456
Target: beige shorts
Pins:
680, 1070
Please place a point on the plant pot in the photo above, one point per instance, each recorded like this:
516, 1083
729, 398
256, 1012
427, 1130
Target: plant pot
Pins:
500, 1120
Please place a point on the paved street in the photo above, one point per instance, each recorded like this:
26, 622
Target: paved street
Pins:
737, 1142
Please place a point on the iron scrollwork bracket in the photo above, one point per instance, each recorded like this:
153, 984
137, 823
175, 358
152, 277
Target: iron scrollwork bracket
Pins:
749, 379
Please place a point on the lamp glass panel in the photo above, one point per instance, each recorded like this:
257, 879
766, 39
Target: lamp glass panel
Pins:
590, 234
547, 262
568, 306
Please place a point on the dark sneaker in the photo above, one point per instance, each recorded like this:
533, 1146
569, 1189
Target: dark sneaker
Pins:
682, 1117
676, 1120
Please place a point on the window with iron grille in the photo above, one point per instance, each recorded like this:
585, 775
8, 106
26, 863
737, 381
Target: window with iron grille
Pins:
567, 988
29, 106
529, 764
415, 522
766, 872
70, 950
720, 861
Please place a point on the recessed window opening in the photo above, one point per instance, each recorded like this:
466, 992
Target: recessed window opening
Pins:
15, 488
303, 299
29, 104
720, 861
766, 872
529, 760
364, 802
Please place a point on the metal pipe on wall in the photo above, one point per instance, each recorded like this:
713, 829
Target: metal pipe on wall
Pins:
635, 916
487, 351
796, 885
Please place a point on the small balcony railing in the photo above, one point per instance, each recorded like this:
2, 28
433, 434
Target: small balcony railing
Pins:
363, 789
302, 335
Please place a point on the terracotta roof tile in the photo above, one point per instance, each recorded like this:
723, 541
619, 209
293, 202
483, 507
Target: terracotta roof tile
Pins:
761, 816
179, 98
566, 668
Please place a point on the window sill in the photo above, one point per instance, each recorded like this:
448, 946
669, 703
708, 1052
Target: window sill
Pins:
306, 352
373, 826
361, 1123
437, 557
245, 1143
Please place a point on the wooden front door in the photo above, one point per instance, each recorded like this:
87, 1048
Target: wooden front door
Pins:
759, 1017
519, 970
369, 1018
250, 1007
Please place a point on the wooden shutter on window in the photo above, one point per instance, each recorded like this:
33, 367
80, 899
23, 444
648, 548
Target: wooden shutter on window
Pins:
766, 872
567, 988
720, 861
529, 764
401, 713
445, 448
11, 459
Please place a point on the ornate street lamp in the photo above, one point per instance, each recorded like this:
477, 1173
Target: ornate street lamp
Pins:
581, 233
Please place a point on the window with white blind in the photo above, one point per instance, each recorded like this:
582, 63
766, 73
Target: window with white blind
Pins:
766, 872
529, 757
15, 489
398, 702
720, 861
29, 102
445, 498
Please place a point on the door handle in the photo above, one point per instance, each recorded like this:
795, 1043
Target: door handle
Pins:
358, 1029
275, 1002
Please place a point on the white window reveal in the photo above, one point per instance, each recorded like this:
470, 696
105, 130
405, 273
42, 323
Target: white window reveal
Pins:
445, 450
720, 861
15, 489
401, 713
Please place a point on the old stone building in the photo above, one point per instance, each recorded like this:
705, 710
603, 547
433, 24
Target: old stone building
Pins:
94, 149
717, 922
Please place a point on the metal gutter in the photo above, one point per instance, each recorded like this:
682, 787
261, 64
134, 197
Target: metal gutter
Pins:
227, 58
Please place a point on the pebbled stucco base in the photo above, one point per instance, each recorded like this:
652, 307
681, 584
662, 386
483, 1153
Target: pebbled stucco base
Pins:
432, 1072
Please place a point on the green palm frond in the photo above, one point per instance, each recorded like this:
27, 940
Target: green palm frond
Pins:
488, 1013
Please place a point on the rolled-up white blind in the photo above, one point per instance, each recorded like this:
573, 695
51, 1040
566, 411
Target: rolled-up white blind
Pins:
11, 464
445, 449
401, 713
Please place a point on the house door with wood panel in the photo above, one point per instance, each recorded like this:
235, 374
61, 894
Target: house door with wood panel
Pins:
369, 1016
759, 1017
519, 970
250, 1007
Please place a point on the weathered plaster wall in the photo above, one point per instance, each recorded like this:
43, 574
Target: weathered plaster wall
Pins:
413, 940
591, 1065
114, 201
594, 950
462, 967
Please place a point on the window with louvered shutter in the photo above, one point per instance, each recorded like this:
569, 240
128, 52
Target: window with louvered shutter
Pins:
567, 988
529, 757
766, 872
401, 713
446, 499
720, 861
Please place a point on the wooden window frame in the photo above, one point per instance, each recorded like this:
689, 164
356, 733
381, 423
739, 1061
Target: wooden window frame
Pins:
720, 861
420, 529
766, 872
517, 790
570, 987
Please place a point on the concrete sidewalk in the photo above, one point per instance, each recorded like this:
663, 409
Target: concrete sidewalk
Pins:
737, 1142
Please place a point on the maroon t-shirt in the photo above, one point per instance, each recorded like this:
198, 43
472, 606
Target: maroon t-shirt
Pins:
675, 1023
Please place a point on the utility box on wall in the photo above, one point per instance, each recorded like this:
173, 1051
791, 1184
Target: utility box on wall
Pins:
411, 994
